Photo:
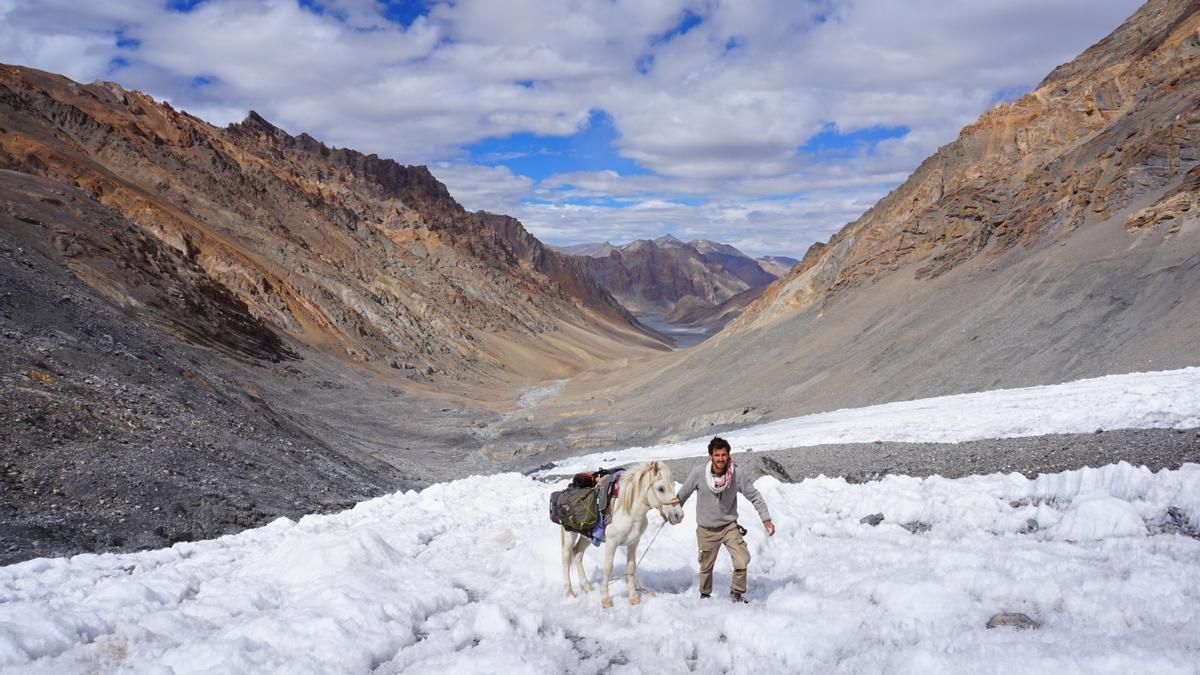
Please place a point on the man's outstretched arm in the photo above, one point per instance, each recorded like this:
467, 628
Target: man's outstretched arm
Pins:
687, 488
747, 488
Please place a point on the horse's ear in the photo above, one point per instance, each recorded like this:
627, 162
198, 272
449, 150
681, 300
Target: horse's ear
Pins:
655, 468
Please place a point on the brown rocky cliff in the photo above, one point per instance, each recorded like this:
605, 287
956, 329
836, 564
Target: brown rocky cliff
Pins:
1117, 127
132, 267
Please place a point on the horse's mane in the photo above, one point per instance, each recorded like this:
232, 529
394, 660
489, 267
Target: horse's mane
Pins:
635, 481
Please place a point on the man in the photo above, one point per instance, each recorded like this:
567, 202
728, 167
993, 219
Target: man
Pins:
717, 485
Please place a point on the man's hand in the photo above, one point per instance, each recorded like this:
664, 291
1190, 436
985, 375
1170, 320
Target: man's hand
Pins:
769, 527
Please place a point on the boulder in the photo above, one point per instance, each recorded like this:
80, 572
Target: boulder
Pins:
872, 520
1014, 619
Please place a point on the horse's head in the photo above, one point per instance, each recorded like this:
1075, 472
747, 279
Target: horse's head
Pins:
660, 492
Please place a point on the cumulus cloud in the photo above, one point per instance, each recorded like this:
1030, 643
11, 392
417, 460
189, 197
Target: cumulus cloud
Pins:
483, 188
713, 99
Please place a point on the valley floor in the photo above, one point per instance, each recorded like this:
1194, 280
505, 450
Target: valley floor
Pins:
682, 336
1027, 455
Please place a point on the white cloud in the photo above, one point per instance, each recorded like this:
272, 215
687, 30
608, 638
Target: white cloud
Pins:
483, 188
718, 112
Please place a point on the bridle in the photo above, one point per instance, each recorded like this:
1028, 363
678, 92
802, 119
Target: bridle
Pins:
674, 501
661, 512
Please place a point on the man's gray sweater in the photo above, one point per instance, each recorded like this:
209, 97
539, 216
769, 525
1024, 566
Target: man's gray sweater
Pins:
718, 510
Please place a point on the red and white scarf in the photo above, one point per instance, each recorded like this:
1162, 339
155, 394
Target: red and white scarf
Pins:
718, 483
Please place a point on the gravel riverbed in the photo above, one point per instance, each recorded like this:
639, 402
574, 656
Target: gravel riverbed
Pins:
1030, 455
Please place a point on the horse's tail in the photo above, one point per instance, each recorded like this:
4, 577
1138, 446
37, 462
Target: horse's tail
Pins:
562, 536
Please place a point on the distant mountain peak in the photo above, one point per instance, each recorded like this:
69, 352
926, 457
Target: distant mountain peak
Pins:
669, 240
255, 120
707, 245
699, 283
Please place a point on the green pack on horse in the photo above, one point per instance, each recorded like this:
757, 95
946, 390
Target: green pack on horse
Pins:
581, 506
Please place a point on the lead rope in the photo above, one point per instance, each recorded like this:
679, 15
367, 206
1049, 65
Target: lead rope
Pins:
660, 529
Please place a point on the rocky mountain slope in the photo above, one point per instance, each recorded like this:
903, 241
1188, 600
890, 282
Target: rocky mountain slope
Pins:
118, 434
206, 328
685, 283
1058, 237
334, 248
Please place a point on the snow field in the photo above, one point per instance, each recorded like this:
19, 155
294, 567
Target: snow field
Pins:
1164, 399
465, 577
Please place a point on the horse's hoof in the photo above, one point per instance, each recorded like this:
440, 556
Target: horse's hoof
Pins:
570, 594
586, 589
635, 600
606, 603
644, 591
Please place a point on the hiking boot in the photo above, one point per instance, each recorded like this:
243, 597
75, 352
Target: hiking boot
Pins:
737, 597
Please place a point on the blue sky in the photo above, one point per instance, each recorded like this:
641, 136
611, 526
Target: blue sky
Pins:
591, 148
768, 124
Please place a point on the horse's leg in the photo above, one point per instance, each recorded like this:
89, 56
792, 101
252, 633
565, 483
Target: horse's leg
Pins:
610, 549
581, 546
568, 552
631, 572
631, 579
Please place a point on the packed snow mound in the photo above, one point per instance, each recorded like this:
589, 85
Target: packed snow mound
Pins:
466, 577
1098, 517
1167, 399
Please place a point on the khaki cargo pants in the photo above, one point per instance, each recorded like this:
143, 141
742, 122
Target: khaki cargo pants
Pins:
710, 540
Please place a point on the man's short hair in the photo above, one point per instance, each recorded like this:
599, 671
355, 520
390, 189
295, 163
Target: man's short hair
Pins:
718, 443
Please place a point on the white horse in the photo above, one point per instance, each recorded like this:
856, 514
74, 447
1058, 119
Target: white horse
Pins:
645, 487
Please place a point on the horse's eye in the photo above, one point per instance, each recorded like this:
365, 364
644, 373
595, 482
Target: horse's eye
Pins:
660, 488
